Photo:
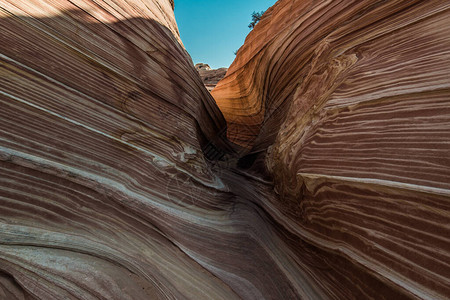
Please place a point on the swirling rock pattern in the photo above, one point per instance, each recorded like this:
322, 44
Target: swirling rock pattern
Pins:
347, 107
101, 113
117, 181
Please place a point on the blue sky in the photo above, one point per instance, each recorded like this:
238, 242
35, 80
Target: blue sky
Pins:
212, 30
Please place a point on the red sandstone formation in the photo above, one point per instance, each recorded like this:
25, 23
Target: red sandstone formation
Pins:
117, 181
347, 105
210, 77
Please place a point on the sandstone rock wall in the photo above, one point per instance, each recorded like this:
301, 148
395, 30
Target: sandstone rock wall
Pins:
210, 77
102, 120
116, 181
347, 104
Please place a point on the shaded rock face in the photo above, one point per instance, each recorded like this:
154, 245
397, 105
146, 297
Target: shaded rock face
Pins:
117, 180
210, 77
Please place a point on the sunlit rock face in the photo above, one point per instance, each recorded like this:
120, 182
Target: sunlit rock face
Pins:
117, 181
346, 104
210, 77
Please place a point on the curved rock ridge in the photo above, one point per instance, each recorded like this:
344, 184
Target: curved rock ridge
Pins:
117, 182
346, 105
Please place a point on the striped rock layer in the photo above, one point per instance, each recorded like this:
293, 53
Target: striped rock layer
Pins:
346, 106
117, 181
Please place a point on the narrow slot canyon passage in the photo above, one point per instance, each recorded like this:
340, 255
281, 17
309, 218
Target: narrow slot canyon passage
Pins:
316, 166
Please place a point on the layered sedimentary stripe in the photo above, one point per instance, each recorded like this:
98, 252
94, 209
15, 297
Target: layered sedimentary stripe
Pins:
100, 117
351, 101
105, 191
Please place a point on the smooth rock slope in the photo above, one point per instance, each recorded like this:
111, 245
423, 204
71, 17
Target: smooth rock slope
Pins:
117, 180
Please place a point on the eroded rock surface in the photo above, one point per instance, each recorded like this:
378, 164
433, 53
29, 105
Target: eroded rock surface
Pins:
346, 106
117, 181
210, 77
103, 119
